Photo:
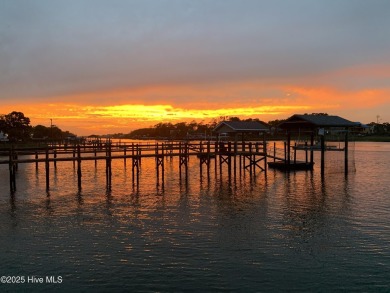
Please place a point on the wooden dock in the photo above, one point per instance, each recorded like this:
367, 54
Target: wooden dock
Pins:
250, 156
227, 157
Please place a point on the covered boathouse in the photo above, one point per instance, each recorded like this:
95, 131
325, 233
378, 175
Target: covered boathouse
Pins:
319, 126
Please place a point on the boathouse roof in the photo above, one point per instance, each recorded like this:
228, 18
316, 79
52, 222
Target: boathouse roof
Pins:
240, 126
315, 121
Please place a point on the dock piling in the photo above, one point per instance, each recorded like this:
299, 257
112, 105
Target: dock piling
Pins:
12, 171
108, 166
79, 167
47, 169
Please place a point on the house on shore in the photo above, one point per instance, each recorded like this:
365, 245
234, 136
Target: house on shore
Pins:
233, 129
321, 126
3, 137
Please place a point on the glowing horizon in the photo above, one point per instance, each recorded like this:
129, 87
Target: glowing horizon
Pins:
125, 118
85, 118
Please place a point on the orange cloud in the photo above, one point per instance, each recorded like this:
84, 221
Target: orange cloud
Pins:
127, 109
327, 98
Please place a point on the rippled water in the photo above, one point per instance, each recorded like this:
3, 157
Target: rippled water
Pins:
280, 232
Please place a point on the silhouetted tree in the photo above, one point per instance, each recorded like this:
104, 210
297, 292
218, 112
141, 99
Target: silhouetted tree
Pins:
16, 125
2, 123
53, 132
275, 123
41, 131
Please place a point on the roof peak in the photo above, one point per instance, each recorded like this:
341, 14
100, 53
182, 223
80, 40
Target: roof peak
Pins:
243, 125
316, 120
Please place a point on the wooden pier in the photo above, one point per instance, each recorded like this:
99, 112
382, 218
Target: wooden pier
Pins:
245, 156
228, 156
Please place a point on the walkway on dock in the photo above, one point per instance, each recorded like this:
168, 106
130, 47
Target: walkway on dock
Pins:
244, 155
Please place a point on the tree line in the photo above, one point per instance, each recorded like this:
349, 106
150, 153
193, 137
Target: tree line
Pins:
16, 126
182, 130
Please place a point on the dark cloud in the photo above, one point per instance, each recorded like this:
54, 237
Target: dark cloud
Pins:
63, 47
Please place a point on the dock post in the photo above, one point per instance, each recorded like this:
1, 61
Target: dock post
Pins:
95, 154
208, 160
311, 148
183, 158
78, 167
216, 157
157, 165
132, 162
138, 164
230, 159
124, 155
204, 158
235, 159
12, 177
322, 154
250, 159
180, 160
135, 163
15, 156
240, 159
74, 155
108, 165
201, 159
265, 151
288, 148
187, 158
243, 157
55, 157
274, 151
295, 153
254, 158
12, 171
220, 157
47, 169
162, 164
36, 162
139, 153
306, 157
346, 153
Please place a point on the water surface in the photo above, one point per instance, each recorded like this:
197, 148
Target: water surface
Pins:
280, 232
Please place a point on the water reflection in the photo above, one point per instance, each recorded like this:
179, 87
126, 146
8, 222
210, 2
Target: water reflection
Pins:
237, 233
79, 199
302, 196
12, 211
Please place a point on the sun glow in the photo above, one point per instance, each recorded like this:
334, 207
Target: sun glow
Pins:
168, 112
86, 119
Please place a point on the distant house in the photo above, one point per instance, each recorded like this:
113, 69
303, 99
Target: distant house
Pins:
234, 128
3, 137
362, 129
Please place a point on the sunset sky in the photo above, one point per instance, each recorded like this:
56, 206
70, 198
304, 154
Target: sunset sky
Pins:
98, 67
